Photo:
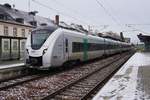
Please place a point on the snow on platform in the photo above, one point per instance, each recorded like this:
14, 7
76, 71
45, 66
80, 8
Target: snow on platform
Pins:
131, 82
11, 66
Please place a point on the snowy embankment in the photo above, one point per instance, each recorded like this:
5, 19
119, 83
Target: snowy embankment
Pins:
123, 85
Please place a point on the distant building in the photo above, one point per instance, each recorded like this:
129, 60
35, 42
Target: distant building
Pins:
128, 40
15, 25
146, 40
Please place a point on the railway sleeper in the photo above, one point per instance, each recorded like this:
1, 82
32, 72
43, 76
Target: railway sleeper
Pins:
62, 97
73, 94
79, 86
76, 91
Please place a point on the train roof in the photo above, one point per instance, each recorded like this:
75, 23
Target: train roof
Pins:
80, 34
46, 27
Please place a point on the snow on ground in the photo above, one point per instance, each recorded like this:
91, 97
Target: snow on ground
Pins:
123, 85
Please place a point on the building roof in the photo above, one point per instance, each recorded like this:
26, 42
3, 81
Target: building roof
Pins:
144, 38
28, 17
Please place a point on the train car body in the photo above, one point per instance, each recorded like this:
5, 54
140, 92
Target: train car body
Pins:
51, 46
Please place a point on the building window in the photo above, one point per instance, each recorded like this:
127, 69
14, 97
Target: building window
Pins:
6, 45
23, 32
15, 45
15, 32
22, 45
5, 30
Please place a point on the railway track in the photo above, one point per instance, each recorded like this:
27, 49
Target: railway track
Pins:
51, 86
17, 81
31, 76
82, 88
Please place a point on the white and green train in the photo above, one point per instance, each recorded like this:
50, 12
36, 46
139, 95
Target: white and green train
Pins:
50, 46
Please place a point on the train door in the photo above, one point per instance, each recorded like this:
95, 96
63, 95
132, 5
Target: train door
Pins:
58, 52
66, 49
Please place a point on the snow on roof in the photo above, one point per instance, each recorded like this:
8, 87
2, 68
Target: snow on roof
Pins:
15, 13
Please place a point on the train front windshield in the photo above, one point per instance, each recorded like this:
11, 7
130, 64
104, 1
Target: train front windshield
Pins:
38, 37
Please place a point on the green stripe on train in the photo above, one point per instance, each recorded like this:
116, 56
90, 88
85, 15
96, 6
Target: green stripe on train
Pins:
85, 49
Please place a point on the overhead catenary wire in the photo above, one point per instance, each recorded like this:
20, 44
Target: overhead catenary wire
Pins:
110, 8
59, 12
107, 12
73, 11
85, 23
131, 27
29, 4
127, 25
62, 13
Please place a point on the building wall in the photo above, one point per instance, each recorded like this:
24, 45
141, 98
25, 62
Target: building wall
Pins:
10, 29
12, 46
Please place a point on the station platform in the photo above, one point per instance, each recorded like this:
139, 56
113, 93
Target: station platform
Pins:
131, 82
11, 64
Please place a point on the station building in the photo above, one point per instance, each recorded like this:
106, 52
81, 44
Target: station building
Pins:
146, 40
15, 25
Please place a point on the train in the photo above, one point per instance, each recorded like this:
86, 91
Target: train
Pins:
53, 46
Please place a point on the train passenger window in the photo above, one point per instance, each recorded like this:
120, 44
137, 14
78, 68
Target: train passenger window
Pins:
95, 46
79, 47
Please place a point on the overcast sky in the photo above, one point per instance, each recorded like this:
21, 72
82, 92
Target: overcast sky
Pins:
97, 13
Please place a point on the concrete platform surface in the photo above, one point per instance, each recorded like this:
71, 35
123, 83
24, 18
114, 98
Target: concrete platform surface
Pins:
11, 64
131, 82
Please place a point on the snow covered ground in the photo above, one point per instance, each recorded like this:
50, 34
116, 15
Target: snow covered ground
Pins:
125, 84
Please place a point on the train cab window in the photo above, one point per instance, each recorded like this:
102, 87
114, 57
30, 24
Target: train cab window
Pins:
39, 36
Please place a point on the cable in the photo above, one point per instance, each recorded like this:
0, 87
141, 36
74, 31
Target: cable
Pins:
138, 24
75, 12
41, 4
28, 5
136, 29
101, 5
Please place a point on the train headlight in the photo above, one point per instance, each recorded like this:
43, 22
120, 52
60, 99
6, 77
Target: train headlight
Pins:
44, 51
